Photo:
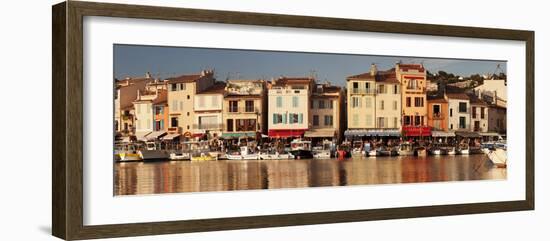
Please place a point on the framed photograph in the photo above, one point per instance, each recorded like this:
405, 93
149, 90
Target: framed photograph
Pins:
171, 120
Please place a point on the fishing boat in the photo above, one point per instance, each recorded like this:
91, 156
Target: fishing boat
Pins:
179, 155
245, 153
420, 151
301, 149
498, 157
406, 149
323, 151
127, 153
202, 156
463, 149
357, 149
274, 155
386, 151
153, 152
450, 150
437, 150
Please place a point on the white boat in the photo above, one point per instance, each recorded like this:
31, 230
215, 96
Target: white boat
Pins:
498, 157
176, 155
275, 156
301, 149
463, 151
406, 149
357, 149
450, 150
373, 153
244, 154
324, 151
153, 152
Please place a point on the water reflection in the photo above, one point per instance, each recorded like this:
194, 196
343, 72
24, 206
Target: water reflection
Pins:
185, 176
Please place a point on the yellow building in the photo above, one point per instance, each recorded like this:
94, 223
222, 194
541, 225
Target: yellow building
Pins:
208, 107
413, 95
326, 112
181, 98
374, 104
245, 108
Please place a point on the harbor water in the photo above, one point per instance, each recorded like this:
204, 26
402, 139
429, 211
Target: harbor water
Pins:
132, 178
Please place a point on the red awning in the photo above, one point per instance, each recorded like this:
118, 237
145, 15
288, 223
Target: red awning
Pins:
417, 131
285, 133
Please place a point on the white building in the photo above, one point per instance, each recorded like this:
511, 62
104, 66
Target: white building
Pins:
288, 106
479, 115
208, 108
493, 87
459, 111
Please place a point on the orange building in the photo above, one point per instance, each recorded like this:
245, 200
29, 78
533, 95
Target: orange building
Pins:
438, 107
413, 96
160, 111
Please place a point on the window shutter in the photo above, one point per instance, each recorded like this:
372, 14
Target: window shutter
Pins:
301, 118
284, 118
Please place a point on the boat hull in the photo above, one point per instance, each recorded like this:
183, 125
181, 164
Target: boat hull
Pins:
302, 154
129, 157
154, 155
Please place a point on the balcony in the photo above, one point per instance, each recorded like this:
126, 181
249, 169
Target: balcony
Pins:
437, 116
363, 91
241, 109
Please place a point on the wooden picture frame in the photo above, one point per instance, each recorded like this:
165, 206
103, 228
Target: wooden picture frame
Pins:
67, 137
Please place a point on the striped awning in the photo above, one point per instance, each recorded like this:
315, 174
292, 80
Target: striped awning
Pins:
320, 133
372, 132
155, 135
170, 137
443, 134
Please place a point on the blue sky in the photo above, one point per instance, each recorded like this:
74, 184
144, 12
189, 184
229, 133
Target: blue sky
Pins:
163, 62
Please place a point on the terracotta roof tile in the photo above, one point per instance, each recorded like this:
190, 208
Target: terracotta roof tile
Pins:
461, 96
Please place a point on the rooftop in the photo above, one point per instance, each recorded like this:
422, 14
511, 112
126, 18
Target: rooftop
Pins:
217, 88
460, 96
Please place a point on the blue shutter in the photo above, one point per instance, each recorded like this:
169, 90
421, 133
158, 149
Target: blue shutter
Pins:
301, 118
284, 118
274, 118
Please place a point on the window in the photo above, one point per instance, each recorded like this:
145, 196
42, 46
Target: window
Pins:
367, 86
396, 89
417, 120
482, 112
174, 122
245, 125
249, 106
451, 126
451, 112
229, 125
407, 120
330, 104
292, 118
182, 86
295, 101
174, 105
408, 102
381, 105
174, 87
418, 101
321, 104
315, 120
188, 97
278, 119
355, 102
328, 120
368, 102
412, 84
463, 107
158, 110
395, 105
214, 101
474, 114
355, 87
279, 101
436, 111
381, 122
233, 106
462, 122
381, 89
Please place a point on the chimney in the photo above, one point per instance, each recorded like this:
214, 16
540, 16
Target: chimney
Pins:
373, 69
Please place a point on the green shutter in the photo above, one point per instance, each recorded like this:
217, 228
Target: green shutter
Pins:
274, 118
284, 118
300, 118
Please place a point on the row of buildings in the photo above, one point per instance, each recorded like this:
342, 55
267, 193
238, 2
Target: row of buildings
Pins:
394, 102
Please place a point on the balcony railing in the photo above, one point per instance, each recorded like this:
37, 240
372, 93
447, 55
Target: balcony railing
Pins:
242, 109
363, 91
